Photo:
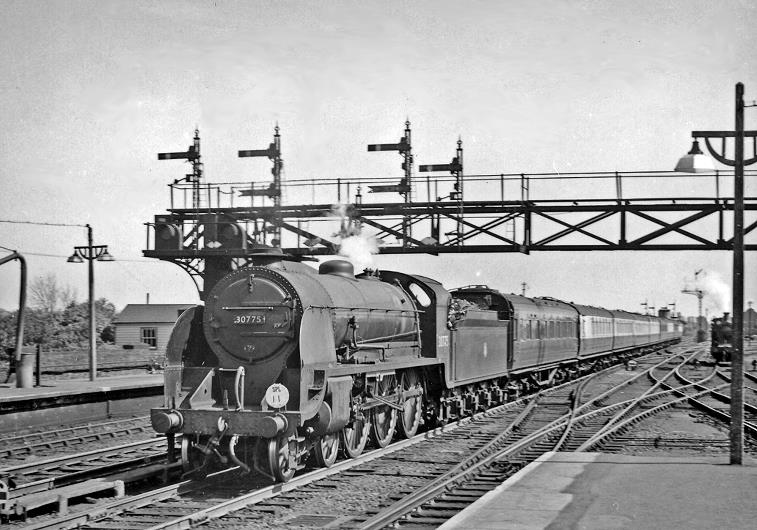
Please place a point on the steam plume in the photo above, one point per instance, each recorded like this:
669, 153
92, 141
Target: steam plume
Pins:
354, 245
717, 293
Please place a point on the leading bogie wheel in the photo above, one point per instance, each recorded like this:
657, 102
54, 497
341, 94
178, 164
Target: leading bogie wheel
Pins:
326, 449
278, 459
412, 406
384, 417
192, 459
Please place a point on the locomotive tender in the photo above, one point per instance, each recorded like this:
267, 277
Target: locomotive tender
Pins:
285, 362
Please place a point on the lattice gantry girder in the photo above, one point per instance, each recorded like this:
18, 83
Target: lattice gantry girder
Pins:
488, 226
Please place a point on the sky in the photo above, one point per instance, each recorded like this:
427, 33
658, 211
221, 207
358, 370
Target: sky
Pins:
91, 91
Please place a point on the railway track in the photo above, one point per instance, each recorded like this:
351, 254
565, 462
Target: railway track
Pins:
545, 431
378, 476
425, 480
37, 483
187, 503
20, 446
717, 403
149, 364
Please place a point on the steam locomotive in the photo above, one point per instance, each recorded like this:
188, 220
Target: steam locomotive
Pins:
721, 338
285, 364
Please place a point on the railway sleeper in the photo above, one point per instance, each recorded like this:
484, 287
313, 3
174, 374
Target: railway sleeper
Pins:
437, 515
62, 496
448, 505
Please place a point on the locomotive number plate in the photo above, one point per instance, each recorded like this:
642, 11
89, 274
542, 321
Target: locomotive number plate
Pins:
249, 320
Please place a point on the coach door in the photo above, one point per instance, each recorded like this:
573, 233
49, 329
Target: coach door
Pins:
542, 343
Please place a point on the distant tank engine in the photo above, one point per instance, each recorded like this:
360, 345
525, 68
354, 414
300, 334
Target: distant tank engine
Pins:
721, 338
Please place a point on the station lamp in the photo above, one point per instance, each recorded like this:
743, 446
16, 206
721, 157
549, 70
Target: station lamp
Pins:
695, 161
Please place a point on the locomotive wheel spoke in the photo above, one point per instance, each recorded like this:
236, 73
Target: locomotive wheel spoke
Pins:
384, 417
192, 460
327, 449
412, 407
354, 437
278, 459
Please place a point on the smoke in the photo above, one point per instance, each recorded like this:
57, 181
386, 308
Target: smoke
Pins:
357, 247
717, 293
339, 211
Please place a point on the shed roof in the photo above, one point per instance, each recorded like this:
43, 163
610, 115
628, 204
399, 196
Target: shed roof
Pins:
157, 313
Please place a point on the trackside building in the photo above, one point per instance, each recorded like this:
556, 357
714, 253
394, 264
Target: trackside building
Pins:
147, 325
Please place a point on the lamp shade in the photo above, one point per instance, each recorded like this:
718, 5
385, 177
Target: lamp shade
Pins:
75, 258
695, 161
106, 257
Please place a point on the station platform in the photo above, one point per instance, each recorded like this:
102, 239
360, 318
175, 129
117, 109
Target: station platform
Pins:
596, 491
67, 400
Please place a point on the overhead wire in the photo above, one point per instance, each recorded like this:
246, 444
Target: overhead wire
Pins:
41, 223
